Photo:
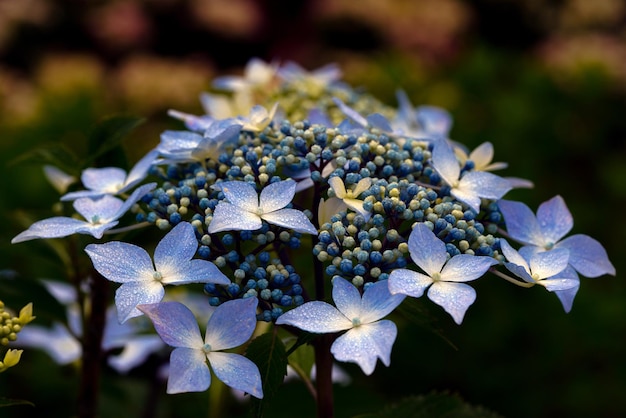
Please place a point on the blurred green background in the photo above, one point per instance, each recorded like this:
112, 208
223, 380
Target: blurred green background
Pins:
544, 81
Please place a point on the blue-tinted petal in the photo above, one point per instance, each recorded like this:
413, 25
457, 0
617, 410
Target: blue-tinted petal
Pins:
231, 324
351, 113
175, 324
121, 262
454, 298
135, 196
464, 267
188, 371
378, 302
549, 263
238, 372
484, 185
50, 228
567, 296
98, 210
347, 298
131, 294
176, 248
365, 344
445, 163
291, 218
315, 316
587, 256
378, 121
554, 219
434, 120
521, 224
277, 195
427, 251
228, 217
408, 282
241, 194
140, 170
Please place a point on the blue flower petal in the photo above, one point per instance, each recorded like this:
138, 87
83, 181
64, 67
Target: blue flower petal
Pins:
454, 298
238, 372
175, 324
427, 251
365, 344
378, 302
277, 195
188, 371
291, 218
315, 316
231, 324
587, 256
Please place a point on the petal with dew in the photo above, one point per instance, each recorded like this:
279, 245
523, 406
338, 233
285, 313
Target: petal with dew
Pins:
521, 223
378, 302
175, 324
427, 251
315, 316
228, 217
121, 262
408, 282
347, 298
240, 194
238, 372
131, 294
365, 344
587, 256
454, 298
554, 219
188, 371
277, 195
231, 324
464, 267
291, 218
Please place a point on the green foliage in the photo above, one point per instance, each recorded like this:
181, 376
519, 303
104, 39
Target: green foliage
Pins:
4, 402
417, 313
109, 134
268, 352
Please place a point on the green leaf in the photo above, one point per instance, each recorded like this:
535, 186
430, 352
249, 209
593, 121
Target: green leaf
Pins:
302, 359
109, 134
433, 405
268, 352
416, 311
12, 402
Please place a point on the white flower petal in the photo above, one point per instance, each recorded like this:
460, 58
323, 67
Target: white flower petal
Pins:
188, 371
365, 344
315, 316
454, 298
238, 372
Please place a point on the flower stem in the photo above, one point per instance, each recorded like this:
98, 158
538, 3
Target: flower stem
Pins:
93, 329
323, 377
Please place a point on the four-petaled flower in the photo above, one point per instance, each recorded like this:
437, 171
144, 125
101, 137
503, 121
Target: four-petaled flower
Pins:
470, 187
368, 336
100, 215
344, 199
548, 269
545, 232
244, 209
112, 180
445, 278
142, 281
231, 324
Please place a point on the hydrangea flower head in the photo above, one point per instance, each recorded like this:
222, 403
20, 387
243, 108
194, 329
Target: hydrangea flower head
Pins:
546, 231
100, 215
112, 180
231, 324
442, 277
471, 186
424, 122
142, 280
244, 209
368, 336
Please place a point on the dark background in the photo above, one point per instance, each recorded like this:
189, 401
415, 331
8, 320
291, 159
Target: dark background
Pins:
545, 82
